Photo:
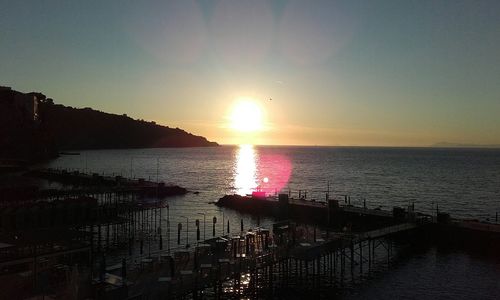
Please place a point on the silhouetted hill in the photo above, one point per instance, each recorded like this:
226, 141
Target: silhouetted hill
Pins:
33, 128
85, 128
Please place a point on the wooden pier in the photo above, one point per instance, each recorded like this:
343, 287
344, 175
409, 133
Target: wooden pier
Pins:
121, 251
96, 183
259, 262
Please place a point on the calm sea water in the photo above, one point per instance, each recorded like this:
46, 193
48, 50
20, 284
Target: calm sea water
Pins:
463, 182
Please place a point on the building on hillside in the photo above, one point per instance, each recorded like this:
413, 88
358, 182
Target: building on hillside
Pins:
19, 122
17, 107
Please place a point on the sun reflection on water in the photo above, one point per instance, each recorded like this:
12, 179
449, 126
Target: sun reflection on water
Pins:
245, 179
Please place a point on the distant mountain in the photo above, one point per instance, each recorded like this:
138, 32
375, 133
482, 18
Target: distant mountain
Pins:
458, 145
32, 127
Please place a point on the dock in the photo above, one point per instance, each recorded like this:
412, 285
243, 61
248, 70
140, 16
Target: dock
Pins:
113, 245
327, 213
259, 262
96, 183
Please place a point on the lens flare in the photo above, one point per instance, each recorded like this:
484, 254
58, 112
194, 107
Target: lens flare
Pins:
275, 171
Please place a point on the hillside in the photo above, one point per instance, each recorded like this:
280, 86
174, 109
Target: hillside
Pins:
85, 128
33, 128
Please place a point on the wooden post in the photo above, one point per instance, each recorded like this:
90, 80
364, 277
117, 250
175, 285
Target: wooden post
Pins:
107, 236
124, 271
373, 251
271, 278
99, 237
361, 257
335, 254
342, 263
388, 254
197, 222
214, 222
318, 268
179, 228
369, 254
307, 270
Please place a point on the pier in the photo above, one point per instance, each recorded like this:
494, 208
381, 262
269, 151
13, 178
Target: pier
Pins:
259, 262
113, 245
326, 213
84, 183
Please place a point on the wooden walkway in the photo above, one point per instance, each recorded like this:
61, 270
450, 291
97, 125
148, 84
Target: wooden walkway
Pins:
210, 264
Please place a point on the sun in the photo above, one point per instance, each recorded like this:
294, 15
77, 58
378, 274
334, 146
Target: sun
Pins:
246, 116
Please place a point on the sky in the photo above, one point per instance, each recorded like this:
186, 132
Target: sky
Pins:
362, 73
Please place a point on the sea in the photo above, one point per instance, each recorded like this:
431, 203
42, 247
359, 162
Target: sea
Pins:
462, 182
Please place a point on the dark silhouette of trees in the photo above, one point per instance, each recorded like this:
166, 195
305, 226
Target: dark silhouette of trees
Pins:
33, 128
85, 128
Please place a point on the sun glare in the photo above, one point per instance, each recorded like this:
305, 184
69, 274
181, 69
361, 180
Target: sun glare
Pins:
246, 116
245, 180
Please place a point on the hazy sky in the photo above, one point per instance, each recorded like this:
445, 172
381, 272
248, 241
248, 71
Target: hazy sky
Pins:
338, 72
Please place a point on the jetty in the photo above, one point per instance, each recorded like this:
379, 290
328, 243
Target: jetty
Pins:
261, 262
326, 213
116, 245
97, 183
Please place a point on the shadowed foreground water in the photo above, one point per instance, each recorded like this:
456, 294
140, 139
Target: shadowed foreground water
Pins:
434, 273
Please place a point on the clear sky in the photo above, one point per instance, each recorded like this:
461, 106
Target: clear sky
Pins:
403, 73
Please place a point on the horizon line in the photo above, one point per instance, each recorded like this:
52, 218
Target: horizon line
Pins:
373, 146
